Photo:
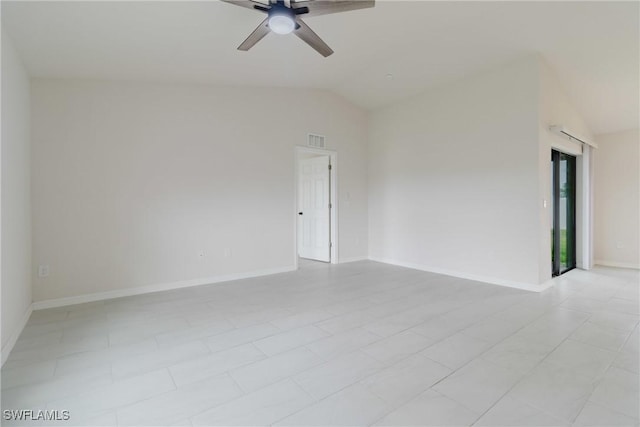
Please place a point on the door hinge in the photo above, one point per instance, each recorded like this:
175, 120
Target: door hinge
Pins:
330, 205
329, 166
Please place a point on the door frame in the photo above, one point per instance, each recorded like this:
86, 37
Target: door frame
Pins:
333, 199
556, 269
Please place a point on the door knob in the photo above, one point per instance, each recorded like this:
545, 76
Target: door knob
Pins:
299, 213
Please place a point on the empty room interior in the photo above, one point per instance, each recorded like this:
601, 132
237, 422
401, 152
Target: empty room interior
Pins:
320, 213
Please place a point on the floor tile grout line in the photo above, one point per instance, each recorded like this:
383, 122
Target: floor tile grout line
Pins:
315, 400
624, 369
491, 347
480, 355
172, 379
343, 388
382, 338
190, 418
526, 375
470, 302
430, 319
385, 367
404, 402
637, 418
453, 371
602, 376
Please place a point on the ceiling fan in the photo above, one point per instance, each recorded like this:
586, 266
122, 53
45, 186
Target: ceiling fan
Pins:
283, 17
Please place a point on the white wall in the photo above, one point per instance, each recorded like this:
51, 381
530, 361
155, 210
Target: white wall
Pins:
617, 204
131, 181
15, 197
453, 178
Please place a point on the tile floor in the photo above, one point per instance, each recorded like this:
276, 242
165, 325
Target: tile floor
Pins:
350, 345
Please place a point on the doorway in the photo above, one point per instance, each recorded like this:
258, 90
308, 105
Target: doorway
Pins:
315, 206
563, 224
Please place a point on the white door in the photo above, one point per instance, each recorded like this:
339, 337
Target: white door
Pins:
314, 228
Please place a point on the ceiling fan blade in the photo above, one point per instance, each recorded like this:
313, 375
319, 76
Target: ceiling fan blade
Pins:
300, 10
257, 35
312, 39
248, 4
326, 7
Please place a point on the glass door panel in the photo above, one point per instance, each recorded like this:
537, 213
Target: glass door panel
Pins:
564, 215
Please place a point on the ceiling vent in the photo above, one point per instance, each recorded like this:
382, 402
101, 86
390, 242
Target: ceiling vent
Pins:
315, 141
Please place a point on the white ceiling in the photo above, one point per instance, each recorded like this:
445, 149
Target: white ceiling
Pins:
592, 46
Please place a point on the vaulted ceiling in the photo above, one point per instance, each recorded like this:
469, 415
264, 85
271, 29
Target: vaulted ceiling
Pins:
592, 46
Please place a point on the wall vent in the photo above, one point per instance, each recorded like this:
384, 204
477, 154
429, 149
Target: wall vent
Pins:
315, 141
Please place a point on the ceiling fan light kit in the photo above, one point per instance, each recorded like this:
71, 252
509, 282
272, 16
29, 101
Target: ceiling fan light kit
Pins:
283, 18
281, 24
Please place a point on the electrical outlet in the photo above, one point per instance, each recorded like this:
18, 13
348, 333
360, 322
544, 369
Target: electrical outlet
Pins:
43, 271
227, 252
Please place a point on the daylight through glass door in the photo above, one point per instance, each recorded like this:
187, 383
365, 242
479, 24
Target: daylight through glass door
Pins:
563, 228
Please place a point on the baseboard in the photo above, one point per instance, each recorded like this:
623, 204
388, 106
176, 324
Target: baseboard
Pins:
605, 263
6, 349
119, 293
461, 275
353, 259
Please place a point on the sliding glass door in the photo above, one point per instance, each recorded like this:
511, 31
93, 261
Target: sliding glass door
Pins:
563, 232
